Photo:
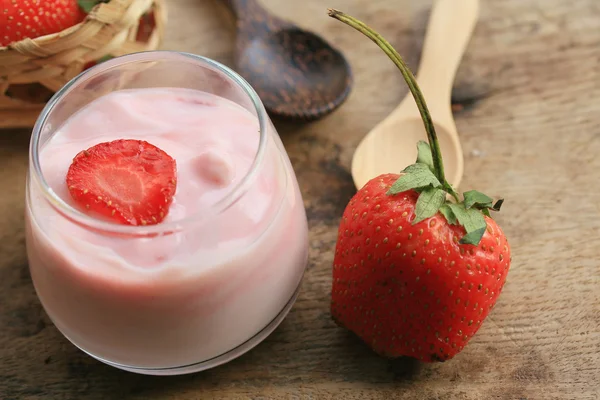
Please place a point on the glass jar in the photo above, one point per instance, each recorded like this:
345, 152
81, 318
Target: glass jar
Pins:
179, 296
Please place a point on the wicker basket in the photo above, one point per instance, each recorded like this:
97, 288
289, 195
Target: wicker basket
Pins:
31, 70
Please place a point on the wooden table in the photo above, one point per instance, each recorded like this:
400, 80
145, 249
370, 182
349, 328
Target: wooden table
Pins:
530, 86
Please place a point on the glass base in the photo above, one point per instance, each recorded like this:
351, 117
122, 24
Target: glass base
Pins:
213, 362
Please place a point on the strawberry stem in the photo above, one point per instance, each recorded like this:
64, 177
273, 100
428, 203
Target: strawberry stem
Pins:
438, 163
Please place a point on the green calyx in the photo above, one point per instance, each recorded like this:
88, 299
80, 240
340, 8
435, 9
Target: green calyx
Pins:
426, 175
433, 194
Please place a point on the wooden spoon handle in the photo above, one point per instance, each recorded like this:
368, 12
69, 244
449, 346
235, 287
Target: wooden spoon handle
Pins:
450, 27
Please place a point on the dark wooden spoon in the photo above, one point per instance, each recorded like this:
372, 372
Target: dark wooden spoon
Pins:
296, 73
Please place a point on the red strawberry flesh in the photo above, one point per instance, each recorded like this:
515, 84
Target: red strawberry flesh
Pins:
128, 181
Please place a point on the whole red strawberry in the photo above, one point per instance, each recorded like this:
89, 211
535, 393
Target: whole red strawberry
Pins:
416, 274
412, 289
128, 181
20, 19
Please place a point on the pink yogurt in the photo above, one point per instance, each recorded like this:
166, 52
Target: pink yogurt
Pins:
215, 280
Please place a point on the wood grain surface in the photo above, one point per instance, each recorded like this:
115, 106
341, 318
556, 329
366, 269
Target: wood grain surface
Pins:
529, 93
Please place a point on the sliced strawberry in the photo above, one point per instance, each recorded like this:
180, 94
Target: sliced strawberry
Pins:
129, 181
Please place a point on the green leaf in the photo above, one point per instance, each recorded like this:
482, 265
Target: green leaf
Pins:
412, 168
88, 5
416, 176
448, 214
477, 199
424, 154
473, 237
472, 220
429, 202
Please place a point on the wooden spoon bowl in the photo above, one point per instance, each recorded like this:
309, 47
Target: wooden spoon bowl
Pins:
391, 145
296, 73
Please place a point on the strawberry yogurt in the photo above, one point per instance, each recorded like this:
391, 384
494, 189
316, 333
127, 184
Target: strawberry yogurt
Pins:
199, 288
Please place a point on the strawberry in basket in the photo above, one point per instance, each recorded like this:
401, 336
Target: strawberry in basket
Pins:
20, 19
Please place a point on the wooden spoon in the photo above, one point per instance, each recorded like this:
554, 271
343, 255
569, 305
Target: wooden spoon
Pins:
391, 145
295, 72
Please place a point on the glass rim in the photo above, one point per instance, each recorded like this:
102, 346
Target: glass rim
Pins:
77, 216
